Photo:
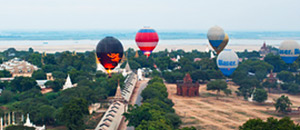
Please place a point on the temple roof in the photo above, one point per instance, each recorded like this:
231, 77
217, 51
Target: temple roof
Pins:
118, 95
187, 78
127, 67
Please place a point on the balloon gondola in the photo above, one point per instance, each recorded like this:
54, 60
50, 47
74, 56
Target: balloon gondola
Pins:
146, 39
109, 52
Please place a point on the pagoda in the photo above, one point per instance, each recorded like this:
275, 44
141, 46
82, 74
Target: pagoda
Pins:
187, 87
68, 83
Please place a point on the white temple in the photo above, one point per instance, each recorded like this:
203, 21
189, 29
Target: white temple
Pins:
178, 58
68, 83
140, 74
212, 55
207, 49
29, 124
126, 70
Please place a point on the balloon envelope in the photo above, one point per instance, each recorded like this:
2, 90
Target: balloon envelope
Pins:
215, 36
222, 45
146, 39
109, 52
227, 61
289, 51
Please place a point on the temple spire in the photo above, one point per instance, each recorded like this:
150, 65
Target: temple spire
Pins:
127, 67
136, 54
68, 83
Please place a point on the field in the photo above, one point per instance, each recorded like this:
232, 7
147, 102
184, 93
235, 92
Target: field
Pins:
226, 113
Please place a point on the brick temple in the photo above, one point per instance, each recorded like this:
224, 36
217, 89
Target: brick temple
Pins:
187, 87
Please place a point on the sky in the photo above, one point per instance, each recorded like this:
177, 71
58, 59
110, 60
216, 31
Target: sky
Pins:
234, 15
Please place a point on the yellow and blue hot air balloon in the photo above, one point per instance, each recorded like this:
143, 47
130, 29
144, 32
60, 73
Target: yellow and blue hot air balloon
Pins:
227, 61
217, 38
289, 51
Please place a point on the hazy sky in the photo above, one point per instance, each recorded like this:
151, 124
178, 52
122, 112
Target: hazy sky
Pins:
252, 15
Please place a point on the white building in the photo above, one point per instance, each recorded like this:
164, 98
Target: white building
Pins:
140, 74
29, 124
68, 83
18, 67
127, 70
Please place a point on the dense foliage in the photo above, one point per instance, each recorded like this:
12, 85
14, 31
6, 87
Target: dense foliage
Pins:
156, 112
271, 124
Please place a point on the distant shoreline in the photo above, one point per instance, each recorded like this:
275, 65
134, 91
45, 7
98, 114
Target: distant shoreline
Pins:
87, 47
52, 46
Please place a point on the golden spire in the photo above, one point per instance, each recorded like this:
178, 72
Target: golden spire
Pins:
136, 54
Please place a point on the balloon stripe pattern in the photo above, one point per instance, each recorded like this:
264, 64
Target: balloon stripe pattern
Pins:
215, 36
146, 39
227, 61
289, 51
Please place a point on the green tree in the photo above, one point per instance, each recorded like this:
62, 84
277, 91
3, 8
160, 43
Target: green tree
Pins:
6, 96
199, 75
276, 62
286, 76
23, 84
39, 75
4, 73
56, 85
260, 95
282, 104
59, 75
46, 114
71, 120
36, 59
271, 124
19, 127
217, 85
154, 125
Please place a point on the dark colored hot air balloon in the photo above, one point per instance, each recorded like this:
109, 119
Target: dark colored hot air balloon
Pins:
146, 39
109, 52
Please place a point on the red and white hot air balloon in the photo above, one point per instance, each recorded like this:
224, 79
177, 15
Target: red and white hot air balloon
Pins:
146, 39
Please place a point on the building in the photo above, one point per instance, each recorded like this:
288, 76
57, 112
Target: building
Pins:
68, 83
272, 77
29, 124
127, 70
114, 114
18, 67
264, 50
187, 87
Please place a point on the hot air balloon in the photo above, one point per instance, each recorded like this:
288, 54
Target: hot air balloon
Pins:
222, 45
146, 39
109, 52
289, 51
217, 38
227, 61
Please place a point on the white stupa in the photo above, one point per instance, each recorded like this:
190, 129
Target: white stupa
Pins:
212, 55
178, 58
68, 83
127, 70
207, 49
140, 74
29, 124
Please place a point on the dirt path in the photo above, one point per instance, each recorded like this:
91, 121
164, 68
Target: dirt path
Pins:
206, 112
